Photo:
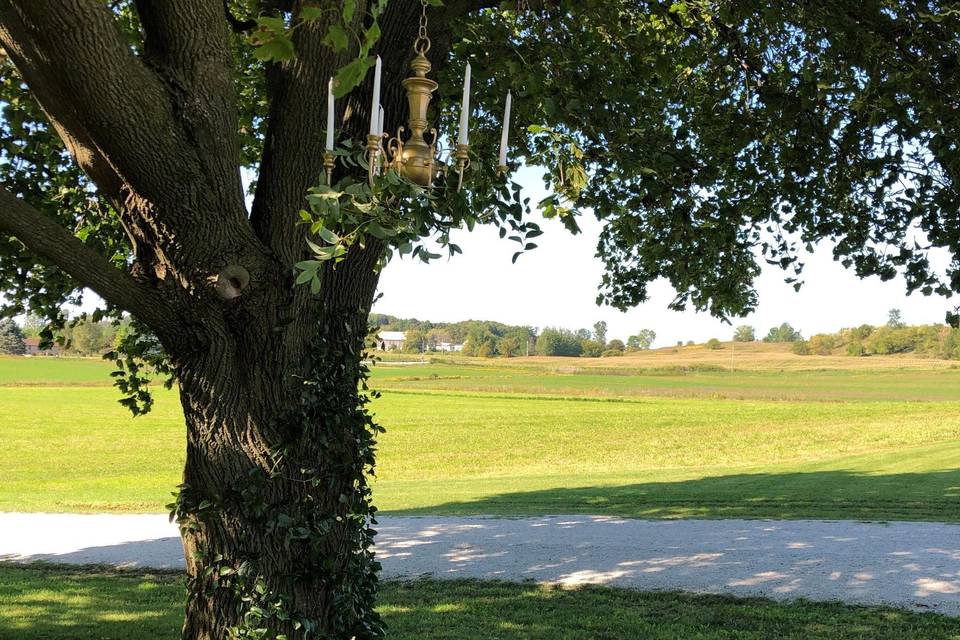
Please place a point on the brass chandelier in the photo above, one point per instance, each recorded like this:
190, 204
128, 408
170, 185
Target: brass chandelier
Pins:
416, 159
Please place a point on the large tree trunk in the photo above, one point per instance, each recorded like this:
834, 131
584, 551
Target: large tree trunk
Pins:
274, 507
274, 504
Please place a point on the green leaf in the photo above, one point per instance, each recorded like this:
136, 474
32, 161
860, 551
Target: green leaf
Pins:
310, 12
306, 276
328, 236
275, 50
350, 75
349, 9
336, 38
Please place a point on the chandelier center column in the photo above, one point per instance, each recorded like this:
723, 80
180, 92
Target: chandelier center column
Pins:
418, 154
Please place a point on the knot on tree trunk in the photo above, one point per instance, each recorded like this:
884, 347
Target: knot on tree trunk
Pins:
231, 282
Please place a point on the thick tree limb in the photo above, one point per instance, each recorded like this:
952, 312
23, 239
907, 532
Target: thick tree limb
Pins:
49, 240
85, 74
76, 50
293, 151
187, 44
68, 126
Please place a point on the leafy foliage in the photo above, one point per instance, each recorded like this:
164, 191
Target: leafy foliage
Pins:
934, 340
404, 215
643, 340
715, 136
783, 333
600, 332
273, 40
559, 342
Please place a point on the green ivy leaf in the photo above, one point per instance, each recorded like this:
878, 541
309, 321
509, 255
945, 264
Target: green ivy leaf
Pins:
336, 38
349, 76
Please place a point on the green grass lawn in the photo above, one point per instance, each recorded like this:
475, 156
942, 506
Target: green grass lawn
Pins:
47, 370
60, 603
860, 381
806, 385
75, 449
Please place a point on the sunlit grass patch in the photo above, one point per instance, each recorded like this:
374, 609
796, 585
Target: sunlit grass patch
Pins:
50, 602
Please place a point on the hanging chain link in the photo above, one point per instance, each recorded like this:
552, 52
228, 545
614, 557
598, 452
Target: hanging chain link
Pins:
422, 44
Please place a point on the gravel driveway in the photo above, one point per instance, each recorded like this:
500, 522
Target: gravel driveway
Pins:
907, 564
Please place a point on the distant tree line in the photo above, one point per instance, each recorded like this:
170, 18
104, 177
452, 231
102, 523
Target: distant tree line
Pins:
81, 336
934, 340
485, 338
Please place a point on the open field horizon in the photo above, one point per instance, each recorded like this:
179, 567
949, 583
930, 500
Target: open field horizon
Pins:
514, 437
699, 372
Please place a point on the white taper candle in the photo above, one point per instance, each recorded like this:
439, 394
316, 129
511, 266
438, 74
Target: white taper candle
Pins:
375, 105
330, 115
504, 137
380, 122
465, 109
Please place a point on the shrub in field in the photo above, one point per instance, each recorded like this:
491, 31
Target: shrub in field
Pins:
487, 349
861, 332
643, 340
783, 333
744, 333
558, 342
590, 349
714, 344
508, 346
612, 353
887, 340
801, 348
950, 348
821, 344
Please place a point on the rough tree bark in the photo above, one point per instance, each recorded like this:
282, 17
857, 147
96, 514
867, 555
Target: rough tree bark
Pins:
155, 128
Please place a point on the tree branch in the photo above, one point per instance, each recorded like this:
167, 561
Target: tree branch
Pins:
47, 239
76, 51
187, 44
87, 78
293, 150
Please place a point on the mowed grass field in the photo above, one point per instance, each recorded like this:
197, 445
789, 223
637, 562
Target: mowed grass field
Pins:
67, 603
875, 441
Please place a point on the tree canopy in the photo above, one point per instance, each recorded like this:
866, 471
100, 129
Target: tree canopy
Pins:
707, 136
728, 134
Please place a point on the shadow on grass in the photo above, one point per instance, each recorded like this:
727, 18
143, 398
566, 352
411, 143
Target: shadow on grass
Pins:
67, 603
57, 603
470, 610
834, 495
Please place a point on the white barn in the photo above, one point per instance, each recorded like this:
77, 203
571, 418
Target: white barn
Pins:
387, 340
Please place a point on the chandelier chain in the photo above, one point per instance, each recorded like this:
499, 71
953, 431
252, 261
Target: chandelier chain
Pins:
422, 44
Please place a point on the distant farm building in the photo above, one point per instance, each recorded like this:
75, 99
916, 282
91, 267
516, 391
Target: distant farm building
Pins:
33, 348
389, 340
394, 341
